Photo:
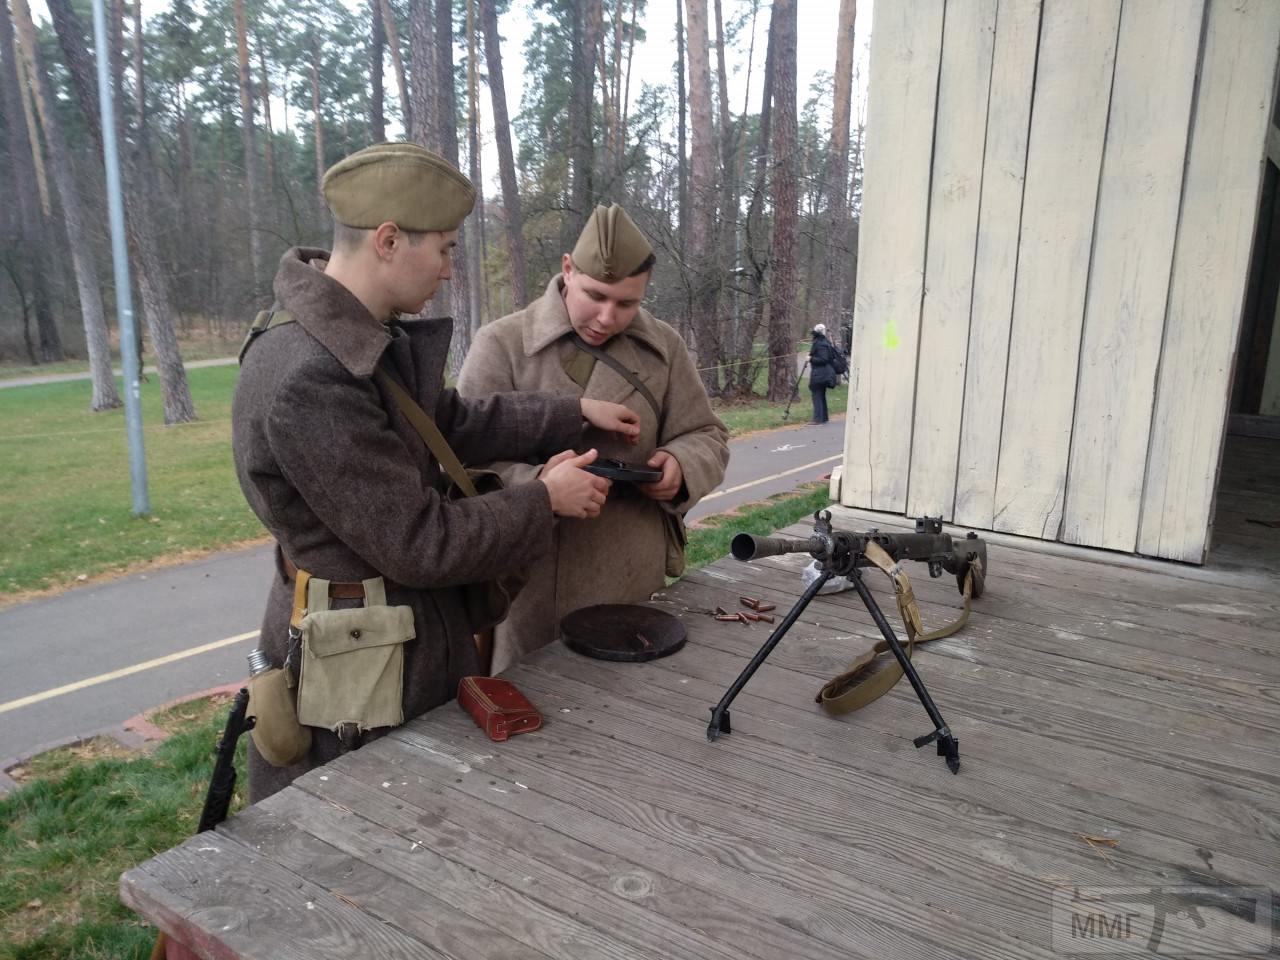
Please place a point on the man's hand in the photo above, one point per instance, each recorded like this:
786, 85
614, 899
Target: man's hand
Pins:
613, 417
573, 491
672, 477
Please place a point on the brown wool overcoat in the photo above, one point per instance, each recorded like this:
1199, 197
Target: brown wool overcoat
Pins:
348, 489
620, 556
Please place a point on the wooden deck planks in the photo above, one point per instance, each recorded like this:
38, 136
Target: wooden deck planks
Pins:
1089, 700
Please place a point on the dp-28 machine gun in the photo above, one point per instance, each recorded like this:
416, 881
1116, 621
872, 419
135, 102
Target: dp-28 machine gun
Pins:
845, 554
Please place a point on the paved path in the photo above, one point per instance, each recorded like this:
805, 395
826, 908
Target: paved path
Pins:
127, 645
84, 375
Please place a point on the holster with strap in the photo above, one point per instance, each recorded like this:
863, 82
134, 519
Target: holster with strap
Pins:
873, 674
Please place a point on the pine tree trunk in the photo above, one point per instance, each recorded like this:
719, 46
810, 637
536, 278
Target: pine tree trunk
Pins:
422, 63
728, 202
682, 153
153, 280
249, 141
475, 248
757, 242
512, 213
616, 151
267, 152
317, 120
702, 200
626, 88
586, 28
392, 33
783, 192
377, 42
26, 84
835, 264
447, 137
92, 313
35, 232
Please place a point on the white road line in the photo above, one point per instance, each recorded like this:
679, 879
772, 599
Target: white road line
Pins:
124, 672
775, 476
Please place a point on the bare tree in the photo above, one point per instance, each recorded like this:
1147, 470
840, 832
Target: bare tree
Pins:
153, 280
512, 213
317, 118
682, 152
838, 214
249, 142
94, 317
475, 235
783, 190
397, 61
377, 41
422, 63
702, 199
446, 135
265, 94
33, 252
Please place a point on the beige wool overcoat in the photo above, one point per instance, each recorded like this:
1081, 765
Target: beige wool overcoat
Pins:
620, 556
349, 490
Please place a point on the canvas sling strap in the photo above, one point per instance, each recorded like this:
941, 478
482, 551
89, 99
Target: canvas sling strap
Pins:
580, 372
419, 418
264, 321
862, 682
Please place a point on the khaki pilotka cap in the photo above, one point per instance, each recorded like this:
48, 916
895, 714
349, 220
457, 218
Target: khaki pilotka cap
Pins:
416, 189
611, 246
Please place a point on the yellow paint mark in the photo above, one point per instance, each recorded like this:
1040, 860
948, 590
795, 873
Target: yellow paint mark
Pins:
891, 341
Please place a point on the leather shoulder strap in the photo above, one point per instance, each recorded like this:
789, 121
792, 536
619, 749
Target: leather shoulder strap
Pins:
428, 430
264, 321
629, 375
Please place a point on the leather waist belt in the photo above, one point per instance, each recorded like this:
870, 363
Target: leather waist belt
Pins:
338, 591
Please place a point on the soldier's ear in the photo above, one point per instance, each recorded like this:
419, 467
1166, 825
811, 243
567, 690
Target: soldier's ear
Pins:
385, 239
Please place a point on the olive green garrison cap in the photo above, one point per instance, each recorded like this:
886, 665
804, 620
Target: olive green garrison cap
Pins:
611, 246
402, 182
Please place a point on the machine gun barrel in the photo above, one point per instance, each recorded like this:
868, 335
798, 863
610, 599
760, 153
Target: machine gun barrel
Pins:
747, 547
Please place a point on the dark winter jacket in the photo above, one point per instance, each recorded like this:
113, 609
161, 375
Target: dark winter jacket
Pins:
348, 489
824, 362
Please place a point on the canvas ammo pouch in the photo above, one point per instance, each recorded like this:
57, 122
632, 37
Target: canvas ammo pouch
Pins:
353, 660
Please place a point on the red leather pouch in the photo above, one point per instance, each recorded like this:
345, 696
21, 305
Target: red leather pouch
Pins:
497, 707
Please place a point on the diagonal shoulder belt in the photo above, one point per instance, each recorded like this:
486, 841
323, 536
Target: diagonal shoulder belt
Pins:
630, 376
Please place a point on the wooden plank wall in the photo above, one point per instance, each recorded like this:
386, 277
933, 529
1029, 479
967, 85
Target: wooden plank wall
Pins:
1004, 165
968, 41
905, 54
1132, 256
1064, 156
1220, 201
1080, 392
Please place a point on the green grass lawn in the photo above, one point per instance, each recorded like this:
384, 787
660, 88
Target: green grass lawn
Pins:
68, 834
65, 506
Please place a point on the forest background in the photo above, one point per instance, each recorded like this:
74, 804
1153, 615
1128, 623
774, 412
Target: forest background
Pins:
229, 112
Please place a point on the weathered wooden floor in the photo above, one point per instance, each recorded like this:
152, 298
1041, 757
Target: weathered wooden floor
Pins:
1091, 700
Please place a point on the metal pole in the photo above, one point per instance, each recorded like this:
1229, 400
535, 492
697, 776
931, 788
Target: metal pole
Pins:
120, 260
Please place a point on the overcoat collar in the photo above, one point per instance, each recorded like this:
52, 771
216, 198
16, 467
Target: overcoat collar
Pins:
329, 311
549, 322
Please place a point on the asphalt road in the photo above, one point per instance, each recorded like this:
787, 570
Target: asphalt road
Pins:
126, 645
